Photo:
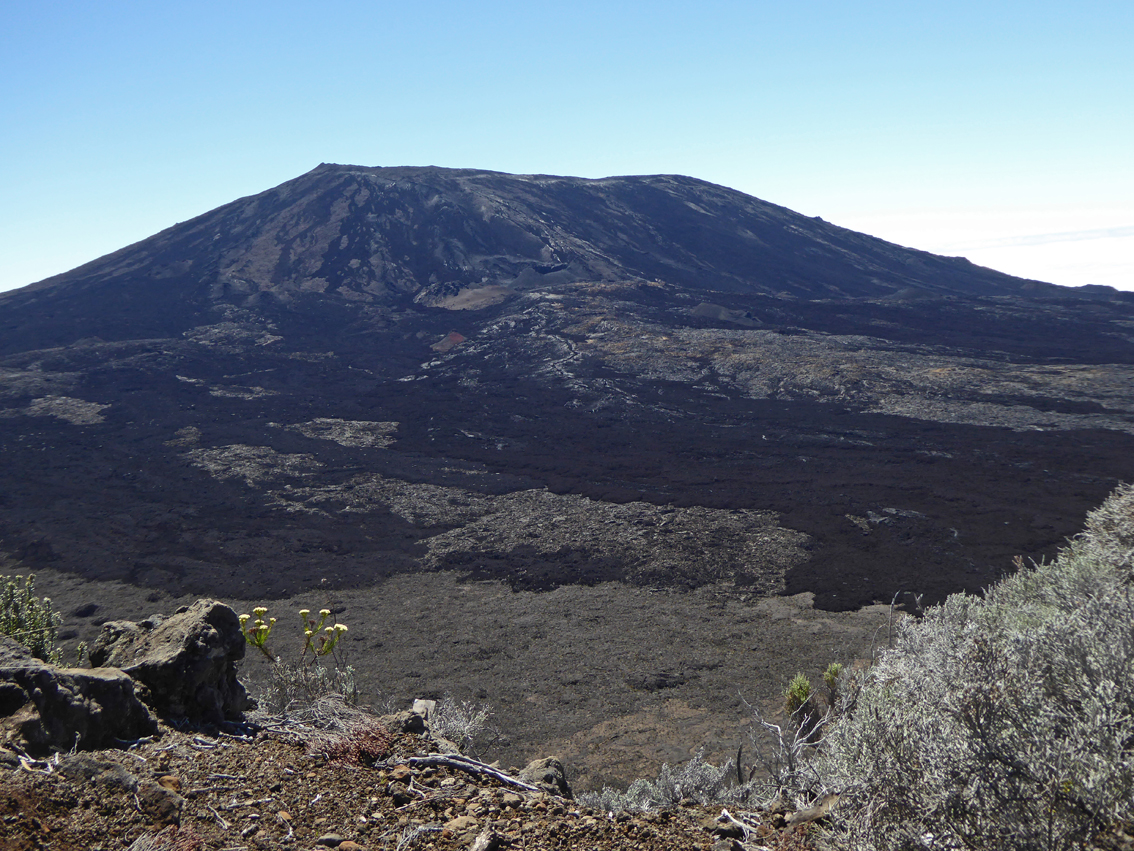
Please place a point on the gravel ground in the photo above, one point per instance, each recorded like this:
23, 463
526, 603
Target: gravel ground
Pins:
188, 792
613, 680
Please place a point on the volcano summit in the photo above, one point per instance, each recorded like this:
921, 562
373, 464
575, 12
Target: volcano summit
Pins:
372, 238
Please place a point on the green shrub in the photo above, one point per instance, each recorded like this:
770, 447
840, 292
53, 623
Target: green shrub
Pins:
797, 694
27, 619
802, 709
831, 681
831, 676
1002, 722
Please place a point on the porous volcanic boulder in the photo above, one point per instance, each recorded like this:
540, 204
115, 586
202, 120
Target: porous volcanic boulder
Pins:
548, 774
187, 662
44, 707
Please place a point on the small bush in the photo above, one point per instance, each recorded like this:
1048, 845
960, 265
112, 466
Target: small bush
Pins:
697, 780
831, 681
785, 753
27, 619
293, 689
463, 723
797, 694
802, 709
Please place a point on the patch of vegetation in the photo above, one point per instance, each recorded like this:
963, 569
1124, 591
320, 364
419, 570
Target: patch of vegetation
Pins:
697, 781
463, 723
797, 694
362, 743
295, 687
27, 619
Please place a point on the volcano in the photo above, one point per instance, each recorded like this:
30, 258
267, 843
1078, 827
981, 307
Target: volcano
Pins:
369, 374
390, 369
361, 240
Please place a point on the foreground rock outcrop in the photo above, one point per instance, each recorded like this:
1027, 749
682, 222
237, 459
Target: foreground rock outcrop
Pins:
182, 667
187, 662
44, 707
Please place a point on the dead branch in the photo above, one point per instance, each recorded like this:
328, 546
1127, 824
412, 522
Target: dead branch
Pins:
473, 766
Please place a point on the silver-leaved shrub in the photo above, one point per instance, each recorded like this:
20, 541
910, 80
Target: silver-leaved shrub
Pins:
1002, 722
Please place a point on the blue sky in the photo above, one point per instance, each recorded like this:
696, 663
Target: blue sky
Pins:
1002, 131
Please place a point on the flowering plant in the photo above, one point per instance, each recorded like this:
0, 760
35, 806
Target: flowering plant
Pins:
320, 639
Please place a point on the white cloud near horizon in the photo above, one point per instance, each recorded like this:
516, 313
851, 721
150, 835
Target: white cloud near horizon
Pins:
1068, 247
1049, 238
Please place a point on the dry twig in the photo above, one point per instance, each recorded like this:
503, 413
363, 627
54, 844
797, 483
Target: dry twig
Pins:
473, 766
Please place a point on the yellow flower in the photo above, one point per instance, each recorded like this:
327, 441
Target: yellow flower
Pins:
259, 610
304, 612
324, 612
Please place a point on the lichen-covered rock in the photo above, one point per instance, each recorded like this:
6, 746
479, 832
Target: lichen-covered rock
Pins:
548, 774
187, 662
44, 707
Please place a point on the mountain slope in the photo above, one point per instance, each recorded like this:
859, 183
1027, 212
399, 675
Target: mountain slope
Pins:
368, 371
373, 238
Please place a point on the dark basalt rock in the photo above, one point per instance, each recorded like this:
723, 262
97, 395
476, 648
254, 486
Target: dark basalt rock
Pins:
44, 707
187, 662
549, 775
